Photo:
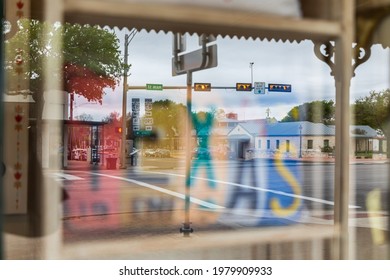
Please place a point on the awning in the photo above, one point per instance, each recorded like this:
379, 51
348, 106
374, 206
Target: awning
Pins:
315, 20
171, 17
239, 137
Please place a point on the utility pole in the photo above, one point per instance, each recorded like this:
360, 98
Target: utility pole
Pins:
128, 38
187, 229
251, 66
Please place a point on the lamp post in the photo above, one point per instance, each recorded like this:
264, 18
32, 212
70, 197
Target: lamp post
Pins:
128, 38
251, 66
300, 141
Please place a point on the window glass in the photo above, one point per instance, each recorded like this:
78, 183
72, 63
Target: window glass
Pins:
106, 144
310, 144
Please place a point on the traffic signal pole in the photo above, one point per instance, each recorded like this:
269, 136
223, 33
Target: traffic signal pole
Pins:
186, 229
128, 38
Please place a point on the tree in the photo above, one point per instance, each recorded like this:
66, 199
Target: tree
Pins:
113, 122
84, 117
374, 110
169, 118
316, 111
85, 59
90, 55
112, 118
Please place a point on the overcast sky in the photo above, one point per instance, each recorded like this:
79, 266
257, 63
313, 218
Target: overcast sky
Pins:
150, 55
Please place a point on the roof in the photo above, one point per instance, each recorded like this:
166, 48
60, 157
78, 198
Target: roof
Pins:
222, 131
239, 137
298, 128
227, 120
237, 18
256, 125
287, 129
296, 20
83, 123
363, 131
307, 129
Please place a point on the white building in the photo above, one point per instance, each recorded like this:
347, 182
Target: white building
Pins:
259, 138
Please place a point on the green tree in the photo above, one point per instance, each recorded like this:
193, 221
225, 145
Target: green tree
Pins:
85, 60
374, 110
90, 58
316, 111
169, 118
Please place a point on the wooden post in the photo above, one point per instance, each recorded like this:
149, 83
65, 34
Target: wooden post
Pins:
343, 75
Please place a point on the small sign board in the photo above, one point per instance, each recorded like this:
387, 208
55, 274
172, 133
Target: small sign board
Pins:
192, 61
148, 121
144, 133
259, 88
154, 86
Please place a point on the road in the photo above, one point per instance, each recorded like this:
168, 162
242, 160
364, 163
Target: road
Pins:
149, 199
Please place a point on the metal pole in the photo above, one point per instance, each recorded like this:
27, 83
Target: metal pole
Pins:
251, 66
71, 106
124, 105
300, 141
128, 38
186, 229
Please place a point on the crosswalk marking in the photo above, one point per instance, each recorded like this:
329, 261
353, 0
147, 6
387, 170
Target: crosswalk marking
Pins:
59, 176
162, 190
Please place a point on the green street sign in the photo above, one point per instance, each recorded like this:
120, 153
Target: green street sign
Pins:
154, 86
143, 133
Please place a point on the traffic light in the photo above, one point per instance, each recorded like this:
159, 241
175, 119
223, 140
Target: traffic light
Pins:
202, 87
279, 87
243, 87
118, 129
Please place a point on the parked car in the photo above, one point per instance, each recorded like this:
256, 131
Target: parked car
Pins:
162, 153
150, 153
79, 154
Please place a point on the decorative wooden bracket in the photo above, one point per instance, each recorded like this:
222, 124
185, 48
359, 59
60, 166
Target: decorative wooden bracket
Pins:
366, 25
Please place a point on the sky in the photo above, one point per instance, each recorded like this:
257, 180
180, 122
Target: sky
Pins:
150, 55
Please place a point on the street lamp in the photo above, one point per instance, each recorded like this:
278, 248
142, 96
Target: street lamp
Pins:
128, 38
251, 66
300, 141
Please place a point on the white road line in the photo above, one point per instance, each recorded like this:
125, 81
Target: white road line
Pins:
64, 176
159, 189
255, 188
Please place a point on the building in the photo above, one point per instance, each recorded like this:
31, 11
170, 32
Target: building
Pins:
259, 138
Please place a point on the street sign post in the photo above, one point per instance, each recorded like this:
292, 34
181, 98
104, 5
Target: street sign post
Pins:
259, 88
193, 61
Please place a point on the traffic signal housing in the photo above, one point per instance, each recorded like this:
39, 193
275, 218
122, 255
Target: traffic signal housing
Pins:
202, 87
243, 87
118, 129
279, 87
